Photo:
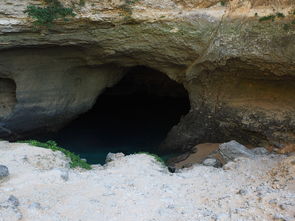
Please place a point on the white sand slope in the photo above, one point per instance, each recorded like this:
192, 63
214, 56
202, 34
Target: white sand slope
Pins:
137, 188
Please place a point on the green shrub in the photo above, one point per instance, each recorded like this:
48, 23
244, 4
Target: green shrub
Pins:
266, 18
280, 15
223, 3
82, 2
156, 157
127, 6
45, 16
286, 27
76, 161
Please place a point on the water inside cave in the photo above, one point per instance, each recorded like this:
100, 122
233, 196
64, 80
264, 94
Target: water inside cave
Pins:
133, 116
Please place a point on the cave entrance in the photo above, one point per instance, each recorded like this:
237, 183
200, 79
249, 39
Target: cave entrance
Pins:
133, 116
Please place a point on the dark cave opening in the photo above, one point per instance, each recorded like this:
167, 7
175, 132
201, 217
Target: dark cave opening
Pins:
133, 116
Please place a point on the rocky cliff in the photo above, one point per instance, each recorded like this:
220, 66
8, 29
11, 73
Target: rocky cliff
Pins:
235, 58
137, 187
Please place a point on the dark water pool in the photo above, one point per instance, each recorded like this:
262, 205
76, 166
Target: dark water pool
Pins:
128, 124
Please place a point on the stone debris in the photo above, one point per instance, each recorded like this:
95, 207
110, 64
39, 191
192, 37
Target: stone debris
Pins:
9, 208
135, 187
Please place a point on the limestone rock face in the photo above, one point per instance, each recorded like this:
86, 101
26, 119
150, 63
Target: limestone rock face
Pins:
238, 71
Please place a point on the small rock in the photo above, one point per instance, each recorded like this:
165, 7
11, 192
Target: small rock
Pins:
113, 156
279, 217
13, 200
242, 192
171, 169
221, 217
64, 175
260, 151
283, 206
212, 162
233, 149
229, 166
273, 201
35, 205
4, 172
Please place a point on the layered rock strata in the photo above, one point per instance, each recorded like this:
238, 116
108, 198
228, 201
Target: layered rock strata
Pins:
239, 71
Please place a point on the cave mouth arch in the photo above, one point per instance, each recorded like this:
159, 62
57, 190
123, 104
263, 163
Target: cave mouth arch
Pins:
135, 115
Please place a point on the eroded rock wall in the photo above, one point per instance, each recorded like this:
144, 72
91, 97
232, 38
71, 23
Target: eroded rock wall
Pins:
52, 87
239, 71
7, 96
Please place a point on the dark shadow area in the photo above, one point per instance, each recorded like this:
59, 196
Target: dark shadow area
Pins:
133, 116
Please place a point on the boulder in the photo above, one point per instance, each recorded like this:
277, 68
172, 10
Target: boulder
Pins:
113, 156
212, 162
233, 149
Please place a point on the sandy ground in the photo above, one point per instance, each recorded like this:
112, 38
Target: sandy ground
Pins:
137, 188
201, 152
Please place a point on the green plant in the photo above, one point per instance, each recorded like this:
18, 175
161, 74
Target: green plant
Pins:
266, 18
286, 27
76, 161
45, 16
223, 3
82, 2
156, 157
280, 15
126, 7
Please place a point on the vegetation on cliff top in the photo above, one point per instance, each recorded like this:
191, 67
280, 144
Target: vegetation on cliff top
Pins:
76, 161
156, 157
278, 15
45, 16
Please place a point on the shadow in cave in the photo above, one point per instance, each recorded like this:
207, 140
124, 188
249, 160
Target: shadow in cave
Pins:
133, 116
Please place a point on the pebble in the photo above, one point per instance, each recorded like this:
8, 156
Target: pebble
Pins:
273, 201
64, 175
13, 200
35, 205
222, 217
4, 172
279, 217
242, 192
